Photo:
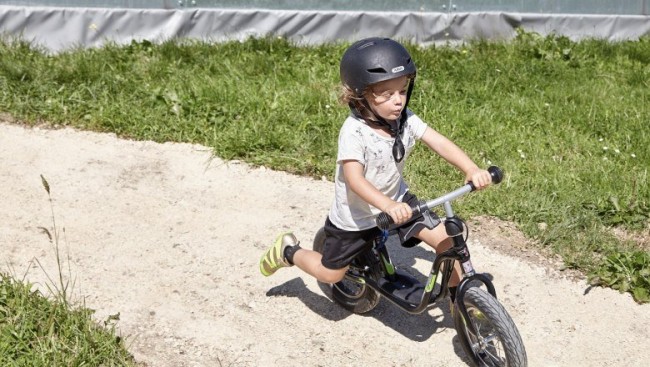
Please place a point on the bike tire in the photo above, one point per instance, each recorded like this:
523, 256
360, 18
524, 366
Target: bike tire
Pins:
353, 296
498, 342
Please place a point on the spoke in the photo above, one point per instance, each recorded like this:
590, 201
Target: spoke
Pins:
488, 339
487, 346
492, 357
493, 351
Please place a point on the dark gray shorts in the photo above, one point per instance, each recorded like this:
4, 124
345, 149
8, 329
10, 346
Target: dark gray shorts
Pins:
341, 246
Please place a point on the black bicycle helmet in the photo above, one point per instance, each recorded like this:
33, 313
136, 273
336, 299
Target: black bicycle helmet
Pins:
374, 60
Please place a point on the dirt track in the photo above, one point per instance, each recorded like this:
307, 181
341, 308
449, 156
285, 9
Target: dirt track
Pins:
170, 239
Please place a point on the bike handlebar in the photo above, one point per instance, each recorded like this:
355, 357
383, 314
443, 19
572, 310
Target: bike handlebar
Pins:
384, 221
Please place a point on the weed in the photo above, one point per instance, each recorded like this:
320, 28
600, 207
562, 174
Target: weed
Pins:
39, 331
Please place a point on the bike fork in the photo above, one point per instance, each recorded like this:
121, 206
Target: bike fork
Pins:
463, 286
454, 228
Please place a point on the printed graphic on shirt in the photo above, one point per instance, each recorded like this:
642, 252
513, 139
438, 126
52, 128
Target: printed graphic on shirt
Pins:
359, 142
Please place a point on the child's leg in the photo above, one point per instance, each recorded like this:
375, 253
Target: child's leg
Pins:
310, 262
437, 238
286, 252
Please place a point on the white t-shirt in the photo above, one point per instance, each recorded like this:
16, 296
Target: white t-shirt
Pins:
359, 142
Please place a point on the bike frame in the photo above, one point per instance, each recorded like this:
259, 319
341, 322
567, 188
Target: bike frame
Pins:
445, 260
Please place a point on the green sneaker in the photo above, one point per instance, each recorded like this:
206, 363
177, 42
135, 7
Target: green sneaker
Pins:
273, 259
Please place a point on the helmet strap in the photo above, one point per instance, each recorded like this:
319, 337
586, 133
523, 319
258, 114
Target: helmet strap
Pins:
396, 132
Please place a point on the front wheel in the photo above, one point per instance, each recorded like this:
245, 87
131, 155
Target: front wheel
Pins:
497, 341
352, 295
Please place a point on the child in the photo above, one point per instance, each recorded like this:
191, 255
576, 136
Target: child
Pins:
378, 76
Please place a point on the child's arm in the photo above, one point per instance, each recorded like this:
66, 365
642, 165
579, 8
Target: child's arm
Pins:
457, 157
353, 171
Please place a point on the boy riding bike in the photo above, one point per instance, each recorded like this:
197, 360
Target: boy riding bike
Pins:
378, 77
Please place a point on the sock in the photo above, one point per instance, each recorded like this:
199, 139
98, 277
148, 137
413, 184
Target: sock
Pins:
452, 293
289, 251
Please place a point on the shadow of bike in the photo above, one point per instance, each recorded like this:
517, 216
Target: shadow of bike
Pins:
418, 327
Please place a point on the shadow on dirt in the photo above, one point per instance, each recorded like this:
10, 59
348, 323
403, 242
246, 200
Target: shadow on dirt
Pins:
418, 327
318, 303
415, 327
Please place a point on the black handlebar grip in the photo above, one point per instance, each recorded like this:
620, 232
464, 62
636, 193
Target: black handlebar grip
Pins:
384, 221
496, 173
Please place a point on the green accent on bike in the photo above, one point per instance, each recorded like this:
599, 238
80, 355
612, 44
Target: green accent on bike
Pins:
390, 269
479, 315
431, 283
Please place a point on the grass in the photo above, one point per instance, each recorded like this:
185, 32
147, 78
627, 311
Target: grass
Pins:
38, 330
567, 121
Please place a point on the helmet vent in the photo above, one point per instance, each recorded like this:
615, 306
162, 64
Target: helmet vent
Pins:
377, 71
365, 45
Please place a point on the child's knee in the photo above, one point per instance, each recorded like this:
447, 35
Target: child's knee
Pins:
331, 276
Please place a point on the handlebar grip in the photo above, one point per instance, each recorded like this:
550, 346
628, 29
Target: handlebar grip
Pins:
496, 173
384, 221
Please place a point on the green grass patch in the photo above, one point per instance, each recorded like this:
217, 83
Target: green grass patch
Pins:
36, 330
567, 121
40, 331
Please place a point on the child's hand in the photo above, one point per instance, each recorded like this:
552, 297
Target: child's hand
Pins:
480, 178
400, 212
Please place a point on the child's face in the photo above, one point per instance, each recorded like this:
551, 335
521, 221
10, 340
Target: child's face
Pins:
387, 98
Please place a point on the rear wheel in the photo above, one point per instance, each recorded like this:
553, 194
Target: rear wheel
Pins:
354, 296
497, 341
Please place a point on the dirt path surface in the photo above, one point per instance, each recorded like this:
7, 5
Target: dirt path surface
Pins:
170, 239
